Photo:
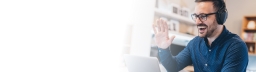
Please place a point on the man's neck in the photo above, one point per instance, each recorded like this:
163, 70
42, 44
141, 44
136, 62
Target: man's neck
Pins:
215, 34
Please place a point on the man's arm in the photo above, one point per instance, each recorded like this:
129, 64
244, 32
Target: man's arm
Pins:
236, 59
174, 63
163, 41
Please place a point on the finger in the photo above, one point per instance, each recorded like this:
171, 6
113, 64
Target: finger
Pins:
166, 27
158, 25
162, 25
154, 28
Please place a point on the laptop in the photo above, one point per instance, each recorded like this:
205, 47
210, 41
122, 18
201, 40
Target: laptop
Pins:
141, 64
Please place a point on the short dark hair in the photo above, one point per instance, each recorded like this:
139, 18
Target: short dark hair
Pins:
216, 3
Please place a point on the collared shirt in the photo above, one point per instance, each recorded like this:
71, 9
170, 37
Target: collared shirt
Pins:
227, 53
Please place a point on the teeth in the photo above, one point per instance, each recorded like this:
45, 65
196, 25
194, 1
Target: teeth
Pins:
201, 26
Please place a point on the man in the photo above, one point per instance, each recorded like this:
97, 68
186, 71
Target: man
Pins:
215, 49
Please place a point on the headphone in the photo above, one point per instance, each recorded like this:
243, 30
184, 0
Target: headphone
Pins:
222, 14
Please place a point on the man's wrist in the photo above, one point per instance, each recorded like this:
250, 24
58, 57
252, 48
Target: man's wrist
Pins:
168, 48
164, 49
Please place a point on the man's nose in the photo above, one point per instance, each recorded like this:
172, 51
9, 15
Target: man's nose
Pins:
198, 21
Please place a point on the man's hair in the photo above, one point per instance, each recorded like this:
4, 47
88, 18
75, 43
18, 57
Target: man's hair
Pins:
216, 3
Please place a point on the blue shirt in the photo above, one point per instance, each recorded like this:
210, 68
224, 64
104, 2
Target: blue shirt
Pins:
227, 53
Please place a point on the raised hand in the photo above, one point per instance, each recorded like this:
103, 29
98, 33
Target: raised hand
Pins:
161, 34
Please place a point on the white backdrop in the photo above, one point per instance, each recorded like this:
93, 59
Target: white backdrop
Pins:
62, 35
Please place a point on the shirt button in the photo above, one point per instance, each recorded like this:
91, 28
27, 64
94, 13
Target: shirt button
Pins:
210, 50
159, 50
205, 64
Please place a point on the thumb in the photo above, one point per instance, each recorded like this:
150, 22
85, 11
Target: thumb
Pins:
171, 39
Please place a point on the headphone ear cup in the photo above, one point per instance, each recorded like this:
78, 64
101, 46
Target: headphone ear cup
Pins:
221, 16
218, 18
225, 16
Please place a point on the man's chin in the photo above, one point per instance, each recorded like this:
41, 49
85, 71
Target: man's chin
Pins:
201, 35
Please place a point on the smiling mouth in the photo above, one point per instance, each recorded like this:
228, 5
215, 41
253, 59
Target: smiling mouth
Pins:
201, 28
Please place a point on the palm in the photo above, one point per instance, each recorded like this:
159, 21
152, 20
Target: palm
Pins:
162, 38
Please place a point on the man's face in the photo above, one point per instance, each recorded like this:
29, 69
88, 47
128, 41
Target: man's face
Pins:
208, 26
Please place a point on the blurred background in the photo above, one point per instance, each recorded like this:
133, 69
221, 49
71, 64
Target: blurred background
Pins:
93, 36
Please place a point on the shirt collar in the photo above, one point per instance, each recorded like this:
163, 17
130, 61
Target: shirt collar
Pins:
220, 38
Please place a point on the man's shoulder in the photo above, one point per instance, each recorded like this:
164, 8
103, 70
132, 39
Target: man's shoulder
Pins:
234, 39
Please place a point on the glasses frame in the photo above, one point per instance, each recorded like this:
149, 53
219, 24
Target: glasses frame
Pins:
200, 16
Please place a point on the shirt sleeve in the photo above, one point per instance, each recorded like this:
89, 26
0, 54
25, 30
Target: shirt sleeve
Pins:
236, 59
174, 63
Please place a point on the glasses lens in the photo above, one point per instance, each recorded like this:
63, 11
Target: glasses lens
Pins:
203, 17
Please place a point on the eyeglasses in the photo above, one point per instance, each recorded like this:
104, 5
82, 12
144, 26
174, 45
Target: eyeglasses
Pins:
202, 17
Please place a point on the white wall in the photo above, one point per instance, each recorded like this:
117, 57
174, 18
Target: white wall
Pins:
62, 35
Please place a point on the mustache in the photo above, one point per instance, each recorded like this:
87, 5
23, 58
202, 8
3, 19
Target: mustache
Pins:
202, 25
